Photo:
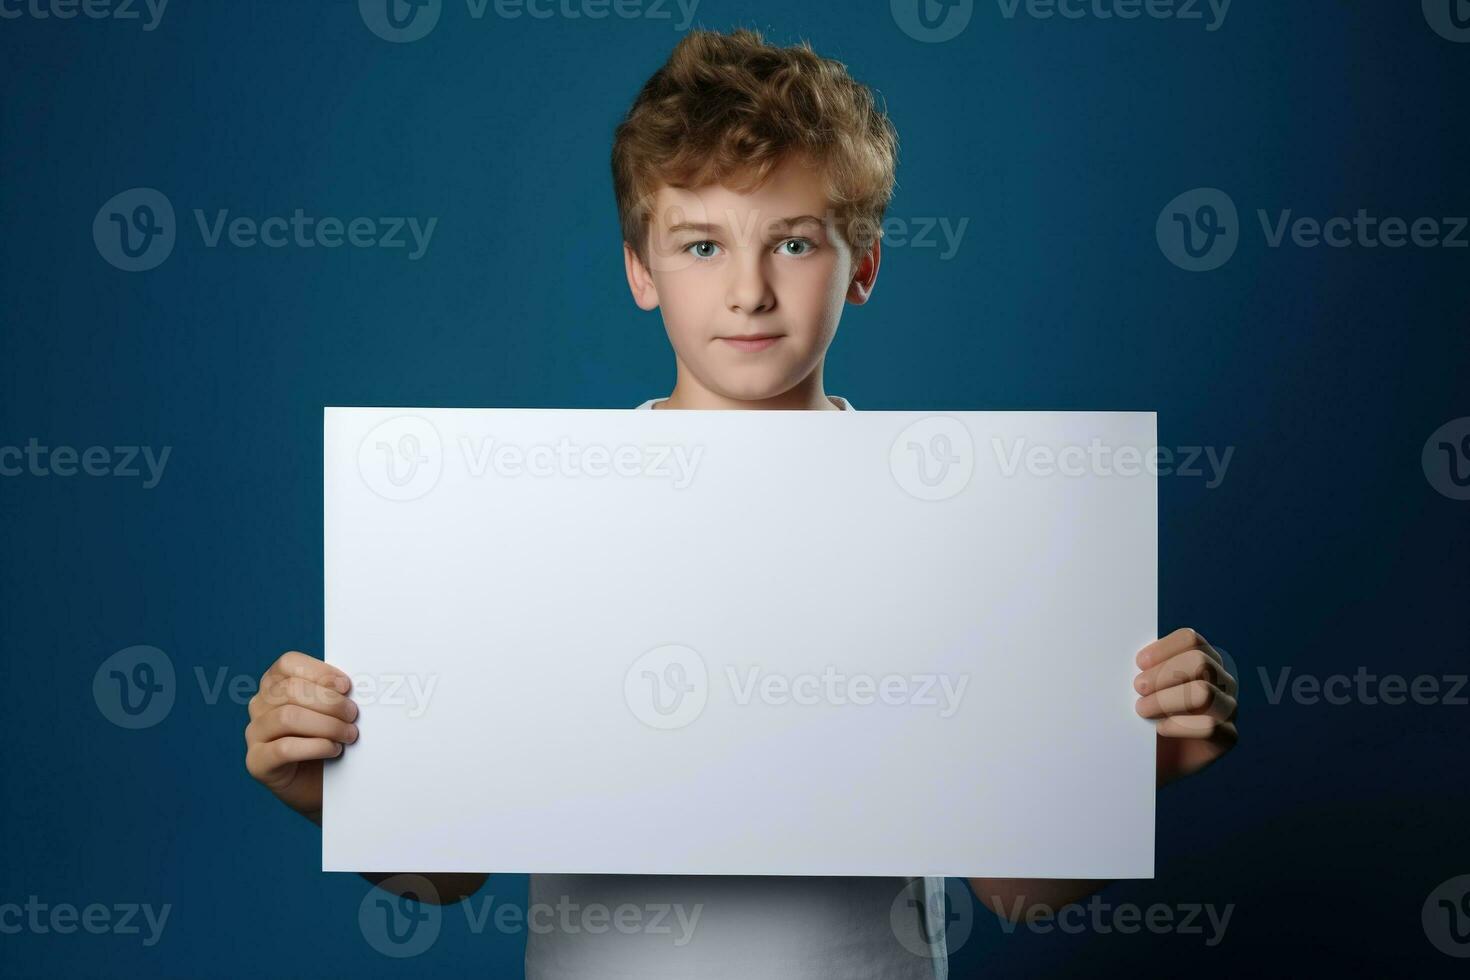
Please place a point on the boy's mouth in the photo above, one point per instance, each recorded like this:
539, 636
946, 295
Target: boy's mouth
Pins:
752, 342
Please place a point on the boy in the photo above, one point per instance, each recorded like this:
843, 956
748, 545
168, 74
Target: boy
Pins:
751, 182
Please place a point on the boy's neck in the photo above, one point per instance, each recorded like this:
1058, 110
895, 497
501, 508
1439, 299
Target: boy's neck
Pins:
807, 395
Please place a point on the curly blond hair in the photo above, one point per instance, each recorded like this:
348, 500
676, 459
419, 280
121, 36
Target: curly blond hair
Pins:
730, 108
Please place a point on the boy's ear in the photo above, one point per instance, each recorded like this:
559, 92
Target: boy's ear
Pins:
866, 274
640, 281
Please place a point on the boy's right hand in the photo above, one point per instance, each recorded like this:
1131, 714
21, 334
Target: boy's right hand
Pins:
300, 715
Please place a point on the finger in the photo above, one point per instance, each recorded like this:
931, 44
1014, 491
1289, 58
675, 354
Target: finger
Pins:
297, 690
1193, 698
293, 663
1172, 645
1191, 665
1198, 726
264, 759
292, 719
284, 751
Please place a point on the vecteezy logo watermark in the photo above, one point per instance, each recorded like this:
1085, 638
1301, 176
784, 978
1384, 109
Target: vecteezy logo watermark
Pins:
934, 458
1099, 459
1446, 459
62, 918
932, 21
402, 21
149, 12
136, 230
1450, 19
1446, 917
1199, 230
1229, 663
927, 911
1102, 917
401, 916
667, 687
403, 459
134, 688
34, 459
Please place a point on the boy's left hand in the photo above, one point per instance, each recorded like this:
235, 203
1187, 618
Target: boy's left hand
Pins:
1183, 681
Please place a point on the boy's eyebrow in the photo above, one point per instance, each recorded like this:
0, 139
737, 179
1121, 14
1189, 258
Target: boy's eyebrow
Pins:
703, 227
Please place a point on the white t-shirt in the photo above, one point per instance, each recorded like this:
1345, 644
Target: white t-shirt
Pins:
689, 927
837, 400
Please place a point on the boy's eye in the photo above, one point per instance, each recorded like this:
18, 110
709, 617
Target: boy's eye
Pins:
707, 249
804, 245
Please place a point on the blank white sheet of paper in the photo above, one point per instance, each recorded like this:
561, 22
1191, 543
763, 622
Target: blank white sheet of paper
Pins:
741, 642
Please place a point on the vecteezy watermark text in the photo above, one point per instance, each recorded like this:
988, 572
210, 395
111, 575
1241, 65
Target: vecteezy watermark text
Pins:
136, 230
404, 21
1210, 13
403, 458
1364, 687
1200, 230
64, 918
35, 459
669, 686
835, 687
1100, 459
676, 244
934, 21
566, 916
1102, 917
148, 12
136, 688
402, 917
308, 231
569, 459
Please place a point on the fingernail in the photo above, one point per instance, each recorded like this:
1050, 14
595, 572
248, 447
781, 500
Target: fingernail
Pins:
341, 684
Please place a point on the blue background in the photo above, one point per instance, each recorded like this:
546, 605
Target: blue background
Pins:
1325, 548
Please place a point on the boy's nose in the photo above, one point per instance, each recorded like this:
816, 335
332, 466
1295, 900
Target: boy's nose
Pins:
749, 289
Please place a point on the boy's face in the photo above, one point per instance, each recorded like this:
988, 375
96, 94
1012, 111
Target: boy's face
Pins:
751, 285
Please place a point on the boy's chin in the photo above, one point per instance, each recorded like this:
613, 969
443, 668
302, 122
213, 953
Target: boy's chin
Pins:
752, 384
